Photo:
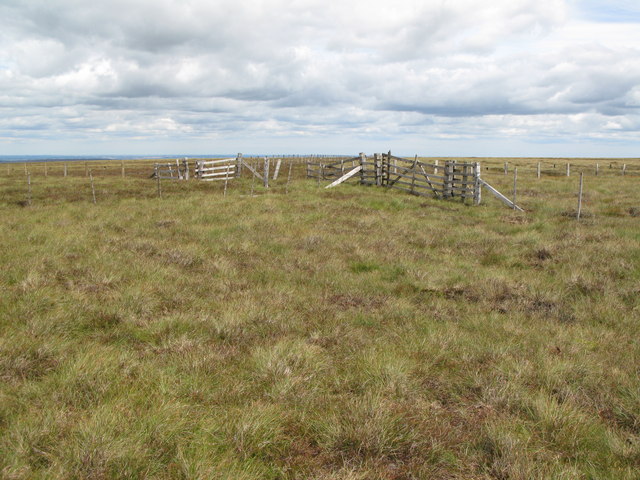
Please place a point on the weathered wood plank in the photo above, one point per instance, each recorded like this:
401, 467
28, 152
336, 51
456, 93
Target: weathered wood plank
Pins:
500, 196
345, 177
251, 169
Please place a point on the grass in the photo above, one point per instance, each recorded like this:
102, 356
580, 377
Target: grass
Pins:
354, 333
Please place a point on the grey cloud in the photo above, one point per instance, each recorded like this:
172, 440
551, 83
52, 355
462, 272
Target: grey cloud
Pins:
201, 68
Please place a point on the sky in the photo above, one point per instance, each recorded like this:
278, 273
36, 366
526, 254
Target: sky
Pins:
552, 78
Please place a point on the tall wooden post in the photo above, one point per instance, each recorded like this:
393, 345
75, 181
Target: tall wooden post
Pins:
93, 190
579, 198
157, 170
465, 181
363, 162
286, 188
238, 165
506, 169
538, 170
447, 190
568, 169
277, 170
515, 186
477, 184
226, 180
266, 173
28, 188
377, 163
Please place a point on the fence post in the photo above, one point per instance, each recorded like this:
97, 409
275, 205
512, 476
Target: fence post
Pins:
579, 198
465, 181
435, 167
505, 168
624, 169
266, 172
413, 176
157, 170
65, 169
93, 190
286, 188
568, 169
185, 165
378, 168
597, 168
277, 170
387, 172
362, 164
46, 173
447, 190
238, 165
28, 188
477, 184
515, 186
538, 171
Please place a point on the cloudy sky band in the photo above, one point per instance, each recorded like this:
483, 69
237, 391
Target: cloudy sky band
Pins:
542, 77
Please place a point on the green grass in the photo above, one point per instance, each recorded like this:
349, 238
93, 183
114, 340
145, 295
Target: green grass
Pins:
353, 333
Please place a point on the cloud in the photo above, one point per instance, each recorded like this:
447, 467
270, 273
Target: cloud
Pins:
198, 70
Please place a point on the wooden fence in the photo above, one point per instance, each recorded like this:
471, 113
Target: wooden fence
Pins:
172, 171
449, 180
223, 169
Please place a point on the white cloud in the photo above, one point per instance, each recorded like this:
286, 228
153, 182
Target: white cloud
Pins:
194, 70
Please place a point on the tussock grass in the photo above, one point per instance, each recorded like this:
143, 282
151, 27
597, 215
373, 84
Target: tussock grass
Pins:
354, 333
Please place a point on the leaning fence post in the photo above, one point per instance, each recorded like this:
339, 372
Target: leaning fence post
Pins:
266, 172
579, 198
277, 170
